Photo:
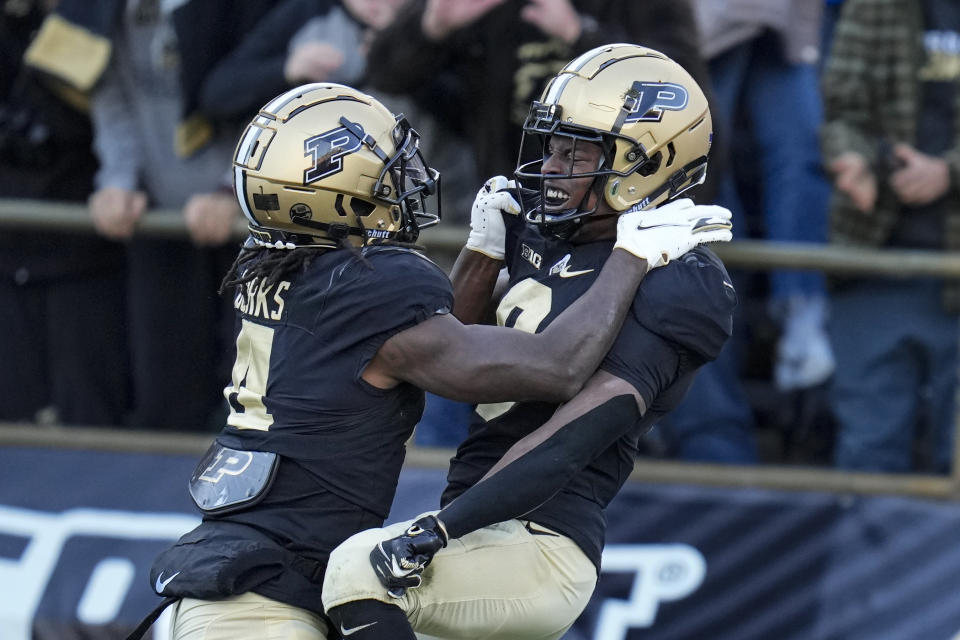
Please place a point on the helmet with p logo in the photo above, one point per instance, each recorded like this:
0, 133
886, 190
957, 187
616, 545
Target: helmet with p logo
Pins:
647, 113
325, 164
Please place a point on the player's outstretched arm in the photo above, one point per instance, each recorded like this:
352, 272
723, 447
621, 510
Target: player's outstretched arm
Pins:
477, 363
482, 363
578, 432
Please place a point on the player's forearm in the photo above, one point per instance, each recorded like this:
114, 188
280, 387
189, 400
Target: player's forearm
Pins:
553, 365
578, 338
550, 456
474, 277
478, 363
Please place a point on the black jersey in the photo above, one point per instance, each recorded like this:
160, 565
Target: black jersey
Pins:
302, 345
680, 319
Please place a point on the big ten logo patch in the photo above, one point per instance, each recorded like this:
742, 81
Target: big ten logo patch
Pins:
531, 256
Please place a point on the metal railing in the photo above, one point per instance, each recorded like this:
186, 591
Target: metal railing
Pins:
448, 239
444, 242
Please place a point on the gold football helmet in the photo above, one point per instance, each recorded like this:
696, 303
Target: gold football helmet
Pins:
646, 112
324, 164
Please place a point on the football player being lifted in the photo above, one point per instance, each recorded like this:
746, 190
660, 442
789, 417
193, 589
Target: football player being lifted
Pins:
342, 325
515, 551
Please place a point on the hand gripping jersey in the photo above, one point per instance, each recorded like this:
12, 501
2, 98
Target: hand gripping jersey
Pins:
302, 344
680, 319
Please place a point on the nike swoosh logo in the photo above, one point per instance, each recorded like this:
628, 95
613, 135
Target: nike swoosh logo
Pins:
397, 570
566, 273
644, 227
711, 224
349, 632
538, 532
161, 583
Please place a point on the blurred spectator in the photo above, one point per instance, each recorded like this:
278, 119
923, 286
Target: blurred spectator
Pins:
144, 61
762, 58
61, 294
478, 64
767, 112
892, 143
298, 41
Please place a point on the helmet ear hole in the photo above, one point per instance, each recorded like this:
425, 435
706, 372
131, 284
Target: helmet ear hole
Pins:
361, 208
673, 153
651, 166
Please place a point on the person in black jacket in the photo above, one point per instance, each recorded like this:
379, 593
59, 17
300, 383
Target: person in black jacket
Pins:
62, 337
298, 41
142, 63
479, 63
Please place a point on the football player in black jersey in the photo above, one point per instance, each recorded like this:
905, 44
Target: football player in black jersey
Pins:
342, 325
515, 551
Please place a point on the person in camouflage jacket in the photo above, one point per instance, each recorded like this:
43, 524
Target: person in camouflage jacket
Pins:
871, 91
892, 142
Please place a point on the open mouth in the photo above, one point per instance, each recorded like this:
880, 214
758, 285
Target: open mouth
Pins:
554, 198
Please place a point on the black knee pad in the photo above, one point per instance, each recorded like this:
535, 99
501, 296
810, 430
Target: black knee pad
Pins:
370, 620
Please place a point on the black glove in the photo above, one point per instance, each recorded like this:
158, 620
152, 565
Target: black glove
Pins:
399, 562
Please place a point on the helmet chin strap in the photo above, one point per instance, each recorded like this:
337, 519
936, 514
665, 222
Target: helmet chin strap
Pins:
564, 230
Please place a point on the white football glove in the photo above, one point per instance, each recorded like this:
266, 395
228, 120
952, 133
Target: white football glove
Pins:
487, 231
669, 231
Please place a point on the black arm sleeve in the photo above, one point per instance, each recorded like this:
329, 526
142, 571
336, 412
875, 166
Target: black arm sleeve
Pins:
529, 481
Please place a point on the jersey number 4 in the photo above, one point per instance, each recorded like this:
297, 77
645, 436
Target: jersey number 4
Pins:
250, 372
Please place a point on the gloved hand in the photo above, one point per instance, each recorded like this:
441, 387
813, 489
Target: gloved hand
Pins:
669, 231
487, 231
399, 562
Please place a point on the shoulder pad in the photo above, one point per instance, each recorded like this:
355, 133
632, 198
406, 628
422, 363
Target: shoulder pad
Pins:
689, 301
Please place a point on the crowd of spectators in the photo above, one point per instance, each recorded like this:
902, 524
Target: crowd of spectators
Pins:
835, 121
761, 56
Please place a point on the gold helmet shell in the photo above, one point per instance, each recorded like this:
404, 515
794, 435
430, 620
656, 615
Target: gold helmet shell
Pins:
324, 164
649, 115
